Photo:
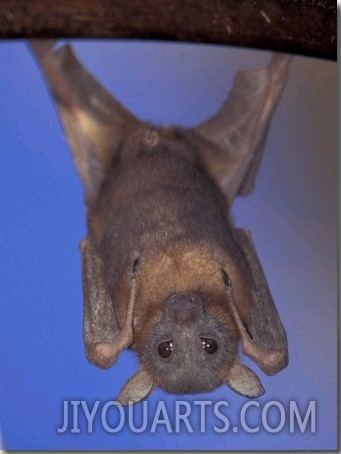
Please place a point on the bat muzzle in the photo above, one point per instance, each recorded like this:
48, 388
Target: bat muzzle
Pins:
183, 306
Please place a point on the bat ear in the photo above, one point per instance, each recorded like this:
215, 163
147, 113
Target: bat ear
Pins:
263, 336
236, 134
137, 388
94, 120
244, 381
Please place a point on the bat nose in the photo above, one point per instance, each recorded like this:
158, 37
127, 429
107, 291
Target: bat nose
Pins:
183, 305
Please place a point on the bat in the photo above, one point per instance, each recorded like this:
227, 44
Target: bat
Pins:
165, 271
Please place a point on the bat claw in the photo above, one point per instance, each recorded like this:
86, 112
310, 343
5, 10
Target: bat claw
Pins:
102, 354
135, 268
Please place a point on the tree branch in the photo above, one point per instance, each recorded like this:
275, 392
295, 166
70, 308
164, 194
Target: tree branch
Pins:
306, 27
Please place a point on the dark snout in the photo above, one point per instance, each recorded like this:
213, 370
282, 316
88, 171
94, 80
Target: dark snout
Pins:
183, 306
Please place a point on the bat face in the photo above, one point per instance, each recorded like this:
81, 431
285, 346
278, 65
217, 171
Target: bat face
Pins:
165, 271
188, 349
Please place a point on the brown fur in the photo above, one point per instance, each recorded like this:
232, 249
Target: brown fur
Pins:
165, 271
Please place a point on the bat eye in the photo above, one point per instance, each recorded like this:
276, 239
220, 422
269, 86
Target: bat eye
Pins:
165, 349
209, 345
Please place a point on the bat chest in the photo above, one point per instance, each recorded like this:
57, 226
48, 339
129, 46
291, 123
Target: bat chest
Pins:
154, 200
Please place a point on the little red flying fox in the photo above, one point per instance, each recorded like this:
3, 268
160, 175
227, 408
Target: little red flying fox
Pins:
165, 271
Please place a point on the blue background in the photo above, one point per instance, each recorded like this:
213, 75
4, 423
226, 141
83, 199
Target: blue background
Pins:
292, 214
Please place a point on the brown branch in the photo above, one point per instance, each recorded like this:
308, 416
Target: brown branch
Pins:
306, 27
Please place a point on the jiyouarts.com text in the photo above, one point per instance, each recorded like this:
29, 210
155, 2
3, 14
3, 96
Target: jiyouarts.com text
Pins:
199, 416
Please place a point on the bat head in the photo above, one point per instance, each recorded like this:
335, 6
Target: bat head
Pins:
190, 348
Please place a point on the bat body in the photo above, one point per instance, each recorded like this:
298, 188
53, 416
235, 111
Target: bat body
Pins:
165, 271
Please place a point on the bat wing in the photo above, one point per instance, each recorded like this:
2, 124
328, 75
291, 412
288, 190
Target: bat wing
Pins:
104, 339
94, 120
235, 139
263, 336
237, 133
